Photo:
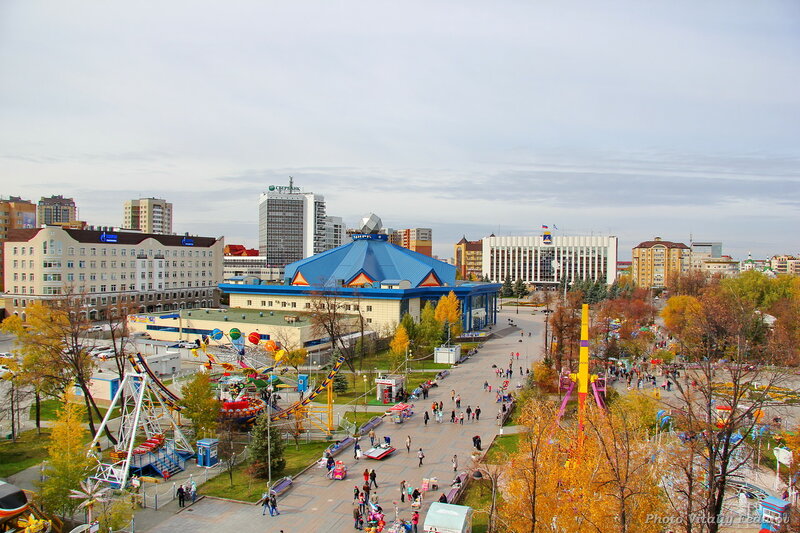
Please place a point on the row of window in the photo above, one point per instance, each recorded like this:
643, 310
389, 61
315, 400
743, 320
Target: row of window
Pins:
293, 305
105, 300
93, 288
53, 247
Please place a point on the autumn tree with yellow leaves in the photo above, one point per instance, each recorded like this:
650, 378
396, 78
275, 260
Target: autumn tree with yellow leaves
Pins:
68, 463
448, 313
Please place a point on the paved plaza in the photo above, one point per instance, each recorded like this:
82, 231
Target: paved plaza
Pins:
315, 503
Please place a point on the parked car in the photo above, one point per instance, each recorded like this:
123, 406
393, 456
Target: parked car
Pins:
94, 329
4, 370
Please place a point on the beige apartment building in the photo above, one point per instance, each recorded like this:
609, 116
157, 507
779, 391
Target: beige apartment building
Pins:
148, 215
656, 262
152, 272
15, 213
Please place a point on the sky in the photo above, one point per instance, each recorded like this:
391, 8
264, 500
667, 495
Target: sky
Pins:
638, 119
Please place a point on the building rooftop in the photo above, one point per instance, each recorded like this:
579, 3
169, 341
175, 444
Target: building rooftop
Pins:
119, 237
237, 316
659, 242
367, 260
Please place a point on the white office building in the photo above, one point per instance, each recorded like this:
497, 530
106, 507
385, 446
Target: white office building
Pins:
291, 224
543, 260
335, 232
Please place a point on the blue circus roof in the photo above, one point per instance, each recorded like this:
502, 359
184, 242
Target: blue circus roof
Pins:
373, 257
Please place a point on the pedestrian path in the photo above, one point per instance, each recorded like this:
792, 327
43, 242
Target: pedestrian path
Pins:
321, 504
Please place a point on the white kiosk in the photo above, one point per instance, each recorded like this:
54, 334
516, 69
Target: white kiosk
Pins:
386, 388
448, 518
447, 354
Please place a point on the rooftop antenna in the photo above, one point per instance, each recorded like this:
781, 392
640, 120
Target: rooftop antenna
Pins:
291, 184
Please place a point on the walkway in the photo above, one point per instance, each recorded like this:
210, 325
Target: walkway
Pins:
320, 504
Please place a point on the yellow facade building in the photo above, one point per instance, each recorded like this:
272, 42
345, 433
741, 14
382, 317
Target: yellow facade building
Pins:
655, 263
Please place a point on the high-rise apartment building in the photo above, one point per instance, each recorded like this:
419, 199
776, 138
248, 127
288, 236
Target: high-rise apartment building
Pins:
334, 232
468, 258
56, 210
544, 260
148, 215
148, 272
291, 224
657, 262
419, 240
15, 213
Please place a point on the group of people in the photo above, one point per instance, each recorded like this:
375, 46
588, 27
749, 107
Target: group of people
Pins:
269, 503
186, 491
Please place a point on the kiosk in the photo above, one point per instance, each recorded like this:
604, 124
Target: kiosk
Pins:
401, 411
387, 388
207, 452
448, 518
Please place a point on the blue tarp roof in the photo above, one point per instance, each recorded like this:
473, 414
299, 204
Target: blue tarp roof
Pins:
377, 259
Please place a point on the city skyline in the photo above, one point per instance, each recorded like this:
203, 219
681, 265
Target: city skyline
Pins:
631, 120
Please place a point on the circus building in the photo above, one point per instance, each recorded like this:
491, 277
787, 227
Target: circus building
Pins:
372, 277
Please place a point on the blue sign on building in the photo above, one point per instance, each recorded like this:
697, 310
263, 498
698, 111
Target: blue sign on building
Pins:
108, 237
186, 241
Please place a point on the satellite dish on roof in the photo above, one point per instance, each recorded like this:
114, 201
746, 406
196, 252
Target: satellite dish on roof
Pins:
371, 224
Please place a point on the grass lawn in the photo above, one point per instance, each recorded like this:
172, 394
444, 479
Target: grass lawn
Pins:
29, 450
360, 417
478, 496
249, 489
49, 411
503, 443
340, 398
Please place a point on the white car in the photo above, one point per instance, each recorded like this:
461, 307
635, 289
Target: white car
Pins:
93, 329
186, 344
4, 370
101, 351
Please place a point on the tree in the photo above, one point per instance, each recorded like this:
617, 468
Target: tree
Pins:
201, 405
679, 313
398, 348
228, 448
507, 289
448, 313
428, 331
339, 383
520, 290
56, 348
68, 463
266, 448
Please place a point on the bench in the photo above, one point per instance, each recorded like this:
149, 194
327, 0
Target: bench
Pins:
333, 450
281, 486
454, 493
372, 424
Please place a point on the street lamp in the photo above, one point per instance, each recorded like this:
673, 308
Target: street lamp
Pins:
365, 394
269, 436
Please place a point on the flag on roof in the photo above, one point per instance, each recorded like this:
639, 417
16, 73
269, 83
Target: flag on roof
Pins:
544, 227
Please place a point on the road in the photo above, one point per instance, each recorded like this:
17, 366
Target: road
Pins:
320, 504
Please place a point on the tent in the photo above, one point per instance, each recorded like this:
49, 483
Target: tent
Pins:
448, 518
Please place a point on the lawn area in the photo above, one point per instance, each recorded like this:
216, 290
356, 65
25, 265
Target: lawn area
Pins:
360, 417
249, 489
29, 450
503, 443
49, 410
414, 380
381, 361
478, 496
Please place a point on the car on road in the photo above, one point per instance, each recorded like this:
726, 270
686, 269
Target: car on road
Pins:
186, 344
4, 370
94, 329
101, 351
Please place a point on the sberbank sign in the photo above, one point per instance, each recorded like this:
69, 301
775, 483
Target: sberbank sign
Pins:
283, 188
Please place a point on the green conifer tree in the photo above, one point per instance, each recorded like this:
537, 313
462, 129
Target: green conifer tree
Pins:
266, 445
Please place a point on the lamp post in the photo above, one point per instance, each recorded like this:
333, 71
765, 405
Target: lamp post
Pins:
365, 394
269, 436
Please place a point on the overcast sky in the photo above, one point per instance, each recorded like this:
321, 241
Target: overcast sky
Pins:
631, 118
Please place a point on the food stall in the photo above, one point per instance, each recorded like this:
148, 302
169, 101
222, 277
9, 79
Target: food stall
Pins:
387, 387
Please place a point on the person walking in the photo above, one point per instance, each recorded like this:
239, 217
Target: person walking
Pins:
357, 517
366, 476
362, 503
371, 437
453, 417
469, 412
421, 456
455, 463
264, 503
408, 439
415, 521
372, 477
461, 418
273, 505
458, 402
356, 492
477, 412
453, 395
425, 418
181, 496
403, 489
356, 450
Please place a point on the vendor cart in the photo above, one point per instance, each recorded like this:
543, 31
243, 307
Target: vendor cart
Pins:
401, 411
339, 470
